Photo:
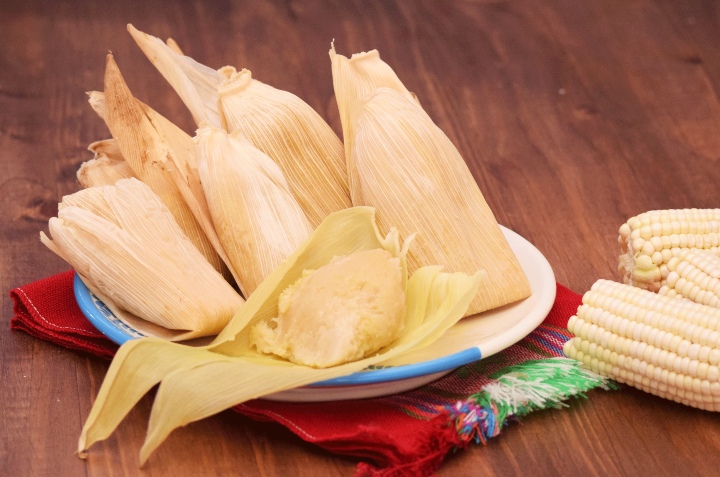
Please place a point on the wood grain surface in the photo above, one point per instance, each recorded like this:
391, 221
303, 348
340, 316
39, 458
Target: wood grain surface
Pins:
573, 116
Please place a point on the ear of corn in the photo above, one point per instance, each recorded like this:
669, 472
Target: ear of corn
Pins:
648, 241
667, 347
695, 275
107, 167
256, 217
198, 382
125, 242
151, 144
407, 168
293, 135
196, 84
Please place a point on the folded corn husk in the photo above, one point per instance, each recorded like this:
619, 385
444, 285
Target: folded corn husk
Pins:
277, 122
256, 217
401, 163
293, 135
107, 167
124, 242
196, 84
154, 148
199, 382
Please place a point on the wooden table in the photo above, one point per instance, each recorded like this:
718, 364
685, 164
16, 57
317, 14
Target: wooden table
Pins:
573, 116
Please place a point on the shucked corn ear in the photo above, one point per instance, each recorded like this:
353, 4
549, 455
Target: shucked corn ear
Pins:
694, 275
151, 145
256, 217
293, 135
648, 241
125, 243
664, 346
402, 164
199, 382
107, 167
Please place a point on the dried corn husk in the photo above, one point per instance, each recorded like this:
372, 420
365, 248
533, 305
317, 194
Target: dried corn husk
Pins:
123, 241
293, 135
154, 148
198, 382
107, 167
196, 84
256, 217
401, 163
97, 103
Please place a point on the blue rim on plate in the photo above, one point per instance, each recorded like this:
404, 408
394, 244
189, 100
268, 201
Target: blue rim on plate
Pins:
469, 340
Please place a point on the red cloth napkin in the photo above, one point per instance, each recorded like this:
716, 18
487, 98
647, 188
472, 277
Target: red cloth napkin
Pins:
407, 434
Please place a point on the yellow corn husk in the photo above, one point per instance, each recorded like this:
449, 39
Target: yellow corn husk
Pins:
107, 167
649, 240
695, 275
404, 165
172, 44
198, 382
661, 345
126, 243
154, 148
97, 103
256, 217
196, 84
293, 135
353, 79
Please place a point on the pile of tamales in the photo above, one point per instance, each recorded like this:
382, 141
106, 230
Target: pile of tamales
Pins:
220, 234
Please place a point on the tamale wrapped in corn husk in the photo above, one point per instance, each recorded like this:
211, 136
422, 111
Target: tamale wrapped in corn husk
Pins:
277, 122
293, 135
107, 167
256, 217
154, 147
401, 163
198, 382
196, 84
124, 242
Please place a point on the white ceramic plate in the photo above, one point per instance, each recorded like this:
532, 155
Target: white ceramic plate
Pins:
469, 340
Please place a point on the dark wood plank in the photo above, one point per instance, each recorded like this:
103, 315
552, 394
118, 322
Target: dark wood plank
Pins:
573, 116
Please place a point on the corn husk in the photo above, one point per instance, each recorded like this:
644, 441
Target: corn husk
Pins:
97, 103
107, 167
124, 242
196, 84
154, 148
199, 382
401, 163
256, 217
290, 132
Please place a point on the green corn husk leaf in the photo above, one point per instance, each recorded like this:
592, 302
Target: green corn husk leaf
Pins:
124, 242
198, 382
256, 217
293, 135
401, 163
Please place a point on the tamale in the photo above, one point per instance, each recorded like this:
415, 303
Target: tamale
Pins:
293, 135
153, 146
198, 382
256, 217
107, 167
125, 242
401, 163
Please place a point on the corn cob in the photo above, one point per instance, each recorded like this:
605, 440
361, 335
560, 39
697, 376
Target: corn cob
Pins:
649, 240
695, 275
661, 345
